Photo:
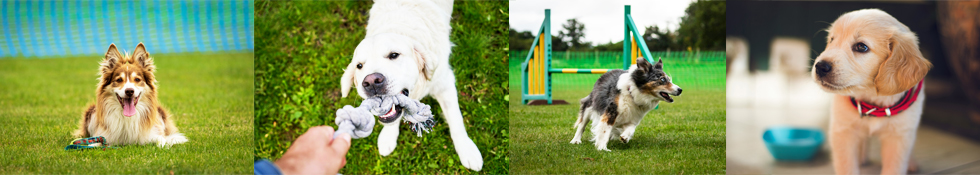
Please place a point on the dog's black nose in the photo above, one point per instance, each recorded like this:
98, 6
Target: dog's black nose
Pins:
374, 84
129, 92
823, 68
679, 90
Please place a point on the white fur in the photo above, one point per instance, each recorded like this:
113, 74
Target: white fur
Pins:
419, 31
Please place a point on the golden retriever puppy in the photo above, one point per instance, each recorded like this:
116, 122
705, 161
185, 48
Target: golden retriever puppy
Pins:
873, 66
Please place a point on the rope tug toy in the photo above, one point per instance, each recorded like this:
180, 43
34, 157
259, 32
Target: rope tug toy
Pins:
359, 122
83, 143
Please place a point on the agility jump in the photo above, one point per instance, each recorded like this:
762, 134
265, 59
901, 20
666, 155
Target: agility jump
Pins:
536, 70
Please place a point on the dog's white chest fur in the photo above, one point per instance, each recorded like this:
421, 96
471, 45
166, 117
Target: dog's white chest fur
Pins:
632, 104
122, 130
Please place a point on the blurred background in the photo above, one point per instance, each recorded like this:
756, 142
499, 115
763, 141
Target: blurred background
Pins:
769, 56
61, 28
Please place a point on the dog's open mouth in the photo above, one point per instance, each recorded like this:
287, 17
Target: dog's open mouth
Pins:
391, 115
128, 104
666, 97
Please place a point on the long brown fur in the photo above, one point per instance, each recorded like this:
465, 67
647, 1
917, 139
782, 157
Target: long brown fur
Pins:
113, 63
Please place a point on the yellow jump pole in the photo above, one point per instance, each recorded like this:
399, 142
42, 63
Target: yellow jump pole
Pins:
634, 50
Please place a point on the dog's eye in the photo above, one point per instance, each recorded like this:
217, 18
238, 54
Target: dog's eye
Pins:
360, 65
860, 47
663, 79
393, 55
137, 80
118, 80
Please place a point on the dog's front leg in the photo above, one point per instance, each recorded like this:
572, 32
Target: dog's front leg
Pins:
844, 146
603, 134
469, 154
627, 133
388, 138
895, 152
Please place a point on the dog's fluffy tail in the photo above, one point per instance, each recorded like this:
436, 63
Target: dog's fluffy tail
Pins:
82, 131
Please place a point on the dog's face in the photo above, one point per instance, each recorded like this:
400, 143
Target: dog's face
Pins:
869, 52
653, 81
386, 64
126, 79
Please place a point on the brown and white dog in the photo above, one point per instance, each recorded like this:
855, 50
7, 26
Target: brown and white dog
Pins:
126, 110
873, 66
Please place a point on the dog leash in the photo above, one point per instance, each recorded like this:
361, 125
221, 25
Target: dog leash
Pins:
82, 144
866, 109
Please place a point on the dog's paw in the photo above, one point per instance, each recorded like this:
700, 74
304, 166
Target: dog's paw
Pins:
469, 154
387, 141
162, 142
386, 147
624, 139
576, 141
604, 149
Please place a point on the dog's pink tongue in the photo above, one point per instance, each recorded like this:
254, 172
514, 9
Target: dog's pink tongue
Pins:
129, 107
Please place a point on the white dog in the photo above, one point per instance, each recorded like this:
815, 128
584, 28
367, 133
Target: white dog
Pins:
873, 66
406, 50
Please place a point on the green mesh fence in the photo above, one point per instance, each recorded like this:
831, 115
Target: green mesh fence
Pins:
690, 70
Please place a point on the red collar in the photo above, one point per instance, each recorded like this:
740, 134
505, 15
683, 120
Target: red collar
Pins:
871, 110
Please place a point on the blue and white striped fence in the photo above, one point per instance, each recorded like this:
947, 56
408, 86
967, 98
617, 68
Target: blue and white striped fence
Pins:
62, 28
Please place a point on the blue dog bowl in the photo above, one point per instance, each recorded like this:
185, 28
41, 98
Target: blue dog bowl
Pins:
793, 144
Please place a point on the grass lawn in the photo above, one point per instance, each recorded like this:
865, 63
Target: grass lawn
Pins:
302, 48
209, 95
684, 137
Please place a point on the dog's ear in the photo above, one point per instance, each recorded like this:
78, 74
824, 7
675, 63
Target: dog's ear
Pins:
110, 61
659, 65
904, 67
347, 79
643, 65
142, 58
425, 60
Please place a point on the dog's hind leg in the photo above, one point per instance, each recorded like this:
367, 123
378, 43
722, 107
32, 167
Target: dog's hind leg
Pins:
583, 119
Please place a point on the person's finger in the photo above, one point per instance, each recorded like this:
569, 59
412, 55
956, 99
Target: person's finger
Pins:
329, 131
342, 144
315, 135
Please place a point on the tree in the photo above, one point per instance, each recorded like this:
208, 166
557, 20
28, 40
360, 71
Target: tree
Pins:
703, 25
521, 41
658, 40
574, 31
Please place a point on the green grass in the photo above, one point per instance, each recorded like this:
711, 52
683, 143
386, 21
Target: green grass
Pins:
684, 137
302, 48
209, 95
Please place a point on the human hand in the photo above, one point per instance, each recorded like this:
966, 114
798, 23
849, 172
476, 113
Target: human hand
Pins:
316, 152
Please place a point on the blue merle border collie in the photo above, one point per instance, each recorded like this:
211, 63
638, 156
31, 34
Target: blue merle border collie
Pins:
620, 99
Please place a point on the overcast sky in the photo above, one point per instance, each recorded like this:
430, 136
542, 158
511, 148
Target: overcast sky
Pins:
603, 19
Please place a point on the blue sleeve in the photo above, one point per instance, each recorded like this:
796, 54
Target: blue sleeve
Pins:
265, 167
